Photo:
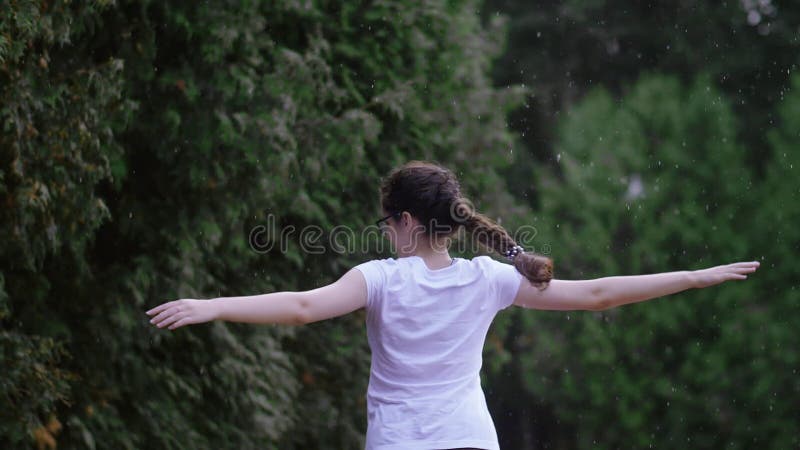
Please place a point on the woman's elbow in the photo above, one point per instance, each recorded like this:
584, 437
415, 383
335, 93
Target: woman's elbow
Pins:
602, 304
302, 313
600, 301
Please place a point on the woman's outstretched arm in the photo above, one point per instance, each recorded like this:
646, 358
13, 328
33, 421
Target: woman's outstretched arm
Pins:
610, 292
347, 294
622, 290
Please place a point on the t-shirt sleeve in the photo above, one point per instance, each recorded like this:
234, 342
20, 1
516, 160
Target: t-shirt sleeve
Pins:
507, 281
374, 275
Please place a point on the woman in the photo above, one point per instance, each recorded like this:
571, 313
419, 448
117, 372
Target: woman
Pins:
428, 313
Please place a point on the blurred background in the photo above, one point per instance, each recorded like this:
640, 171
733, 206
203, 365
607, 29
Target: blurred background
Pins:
143, 141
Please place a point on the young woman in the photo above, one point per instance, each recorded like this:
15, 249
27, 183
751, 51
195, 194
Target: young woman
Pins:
428, 313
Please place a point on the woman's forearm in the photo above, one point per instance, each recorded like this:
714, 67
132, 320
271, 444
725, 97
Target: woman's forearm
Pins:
622, 290
275, 307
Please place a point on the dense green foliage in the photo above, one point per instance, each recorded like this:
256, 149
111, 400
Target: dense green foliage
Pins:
142, 142
702, 165
563, 49
662, 185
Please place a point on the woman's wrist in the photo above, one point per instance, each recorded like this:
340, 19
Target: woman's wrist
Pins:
215, 305
691, 278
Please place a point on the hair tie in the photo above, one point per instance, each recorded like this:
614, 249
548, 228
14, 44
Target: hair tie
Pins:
513, 252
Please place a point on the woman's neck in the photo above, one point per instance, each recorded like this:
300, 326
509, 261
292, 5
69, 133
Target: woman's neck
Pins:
435, 258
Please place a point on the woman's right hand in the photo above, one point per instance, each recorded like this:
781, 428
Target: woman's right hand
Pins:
716, 275
187, 311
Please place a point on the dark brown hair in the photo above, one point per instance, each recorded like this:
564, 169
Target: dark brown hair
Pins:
432, 194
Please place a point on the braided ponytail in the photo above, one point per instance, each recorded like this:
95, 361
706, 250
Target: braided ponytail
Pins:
536, 268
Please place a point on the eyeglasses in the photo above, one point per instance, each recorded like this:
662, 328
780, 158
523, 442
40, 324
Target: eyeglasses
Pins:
380, 223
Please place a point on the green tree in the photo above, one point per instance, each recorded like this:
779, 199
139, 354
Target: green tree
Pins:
164, 133
563, 49
765, 339
56, 145
655, 182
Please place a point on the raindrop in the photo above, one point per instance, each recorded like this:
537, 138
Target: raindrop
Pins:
753, 17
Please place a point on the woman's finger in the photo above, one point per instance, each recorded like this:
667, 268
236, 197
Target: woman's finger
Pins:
160, 308
171, 319
746, 264
163, 314
157, 321
180, 323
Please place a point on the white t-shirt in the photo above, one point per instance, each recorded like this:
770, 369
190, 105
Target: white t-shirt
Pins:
426, 329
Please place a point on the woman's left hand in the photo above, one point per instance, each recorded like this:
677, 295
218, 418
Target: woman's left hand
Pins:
178, 313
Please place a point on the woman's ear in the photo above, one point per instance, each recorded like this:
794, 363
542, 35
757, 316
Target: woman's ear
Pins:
406, 219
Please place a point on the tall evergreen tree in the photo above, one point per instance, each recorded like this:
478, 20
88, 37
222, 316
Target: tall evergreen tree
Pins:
150, 139
563, 49
654, 183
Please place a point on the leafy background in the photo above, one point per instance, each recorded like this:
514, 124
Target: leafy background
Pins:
142, 142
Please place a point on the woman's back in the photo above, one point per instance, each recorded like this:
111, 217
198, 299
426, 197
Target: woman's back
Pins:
426, 330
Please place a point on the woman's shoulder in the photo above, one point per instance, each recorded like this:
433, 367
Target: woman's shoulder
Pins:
383, 261
486, 260
380, 263
491, 266
483, 261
